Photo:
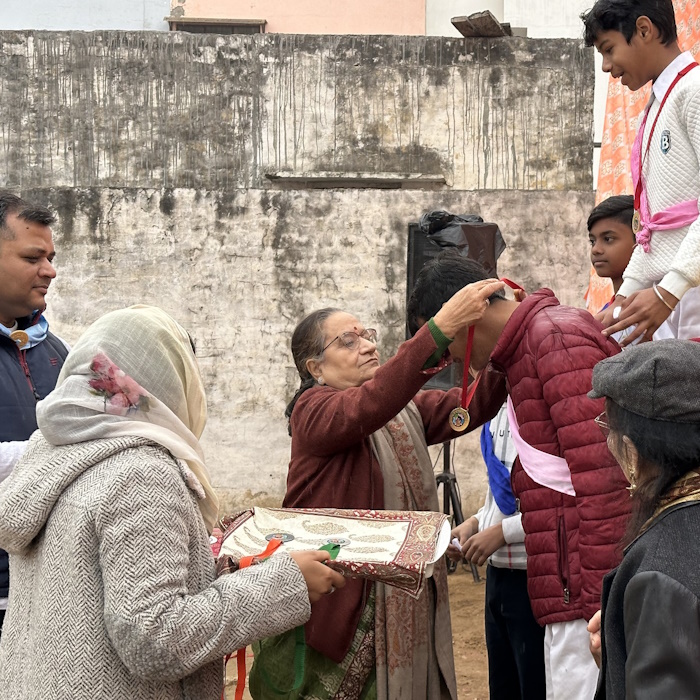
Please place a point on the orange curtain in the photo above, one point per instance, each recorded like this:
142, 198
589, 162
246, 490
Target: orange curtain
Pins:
622, 113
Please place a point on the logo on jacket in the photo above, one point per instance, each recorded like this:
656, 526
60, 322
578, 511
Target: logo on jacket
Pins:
665, 141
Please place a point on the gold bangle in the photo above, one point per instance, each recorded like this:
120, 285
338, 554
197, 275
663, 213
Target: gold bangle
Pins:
661, 296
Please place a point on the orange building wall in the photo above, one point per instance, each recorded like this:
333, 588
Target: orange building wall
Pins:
316, 16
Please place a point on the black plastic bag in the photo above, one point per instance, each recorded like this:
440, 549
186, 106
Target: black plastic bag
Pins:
474, 238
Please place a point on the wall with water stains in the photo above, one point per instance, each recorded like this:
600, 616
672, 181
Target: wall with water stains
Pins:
240, 268
148, 109
153, 150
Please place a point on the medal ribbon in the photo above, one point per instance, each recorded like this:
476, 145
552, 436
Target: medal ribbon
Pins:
468, 389
511, 284
643, 152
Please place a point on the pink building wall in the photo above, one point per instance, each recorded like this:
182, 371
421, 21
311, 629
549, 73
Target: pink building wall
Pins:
315, 16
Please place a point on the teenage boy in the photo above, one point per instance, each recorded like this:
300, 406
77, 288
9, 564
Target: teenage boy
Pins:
571, 491
638, 42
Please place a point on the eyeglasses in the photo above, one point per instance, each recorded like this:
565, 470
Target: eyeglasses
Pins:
351, 340
602, 422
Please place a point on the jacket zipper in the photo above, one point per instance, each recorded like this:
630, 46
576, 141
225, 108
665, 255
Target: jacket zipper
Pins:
563, 558
27, 373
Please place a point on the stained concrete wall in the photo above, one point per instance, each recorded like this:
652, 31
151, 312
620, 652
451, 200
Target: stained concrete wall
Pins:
180, 110
153, 151
240, 268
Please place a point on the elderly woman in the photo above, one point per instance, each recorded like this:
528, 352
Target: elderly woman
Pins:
360, 432
106, 517
651, 603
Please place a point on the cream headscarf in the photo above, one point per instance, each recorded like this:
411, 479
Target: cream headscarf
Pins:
133, 373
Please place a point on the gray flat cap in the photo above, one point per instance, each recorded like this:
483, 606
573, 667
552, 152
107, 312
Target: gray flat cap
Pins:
659, 380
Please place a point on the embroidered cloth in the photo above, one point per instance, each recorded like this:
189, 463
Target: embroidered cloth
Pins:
397, 548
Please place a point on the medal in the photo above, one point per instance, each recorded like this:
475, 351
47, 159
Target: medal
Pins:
20, 337
636, 222
459, 419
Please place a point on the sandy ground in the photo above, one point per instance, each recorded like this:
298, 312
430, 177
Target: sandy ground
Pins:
467, 606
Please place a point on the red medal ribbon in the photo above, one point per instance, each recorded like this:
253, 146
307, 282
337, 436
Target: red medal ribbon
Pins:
459, 417
468, 389
643, 152
511, 284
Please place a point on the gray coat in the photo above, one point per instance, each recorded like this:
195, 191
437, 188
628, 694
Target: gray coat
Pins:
651, 613
113, 593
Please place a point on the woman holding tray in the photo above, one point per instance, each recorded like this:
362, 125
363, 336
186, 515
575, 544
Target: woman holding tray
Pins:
360, 432
106, 516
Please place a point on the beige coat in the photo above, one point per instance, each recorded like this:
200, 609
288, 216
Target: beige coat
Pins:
113, 593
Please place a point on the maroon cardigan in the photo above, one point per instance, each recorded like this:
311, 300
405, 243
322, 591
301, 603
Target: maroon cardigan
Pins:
333, 466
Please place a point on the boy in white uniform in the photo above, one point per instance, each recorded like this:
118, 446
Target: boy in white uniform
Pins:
638, 42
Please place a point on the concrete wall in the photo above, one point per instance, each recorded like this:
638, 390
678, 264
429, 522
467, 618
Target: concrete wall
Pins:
153, 150
316, 16
183, 110
240, 268
84, 15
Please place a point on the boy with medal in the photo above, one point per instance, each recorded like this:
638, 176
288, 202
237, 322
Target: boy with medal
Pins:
572, 493
638, 42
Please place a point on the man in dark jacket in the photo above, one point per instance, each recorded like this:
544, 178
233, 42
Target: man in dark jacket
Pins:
572, 493
30, 356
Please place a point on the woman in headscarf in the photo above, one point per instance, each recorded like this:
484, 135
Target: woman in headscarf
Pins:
651, 602
106, 519
360, 432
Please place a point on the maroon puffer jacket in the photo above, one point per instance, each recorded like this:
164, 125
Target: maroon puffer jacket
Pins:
548, 353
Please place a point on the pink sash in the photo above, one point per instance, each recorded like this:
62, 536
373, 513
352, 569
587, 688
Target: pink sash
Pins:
675, 217
547, 470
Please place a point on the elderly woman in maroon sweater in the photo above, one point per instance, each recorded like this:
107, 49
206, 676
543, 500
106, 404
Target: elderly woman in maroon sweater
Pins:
360, 432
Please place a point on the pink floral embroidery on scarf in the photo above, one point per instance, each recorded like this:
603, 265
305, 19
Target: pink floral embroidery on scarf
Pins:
118, 389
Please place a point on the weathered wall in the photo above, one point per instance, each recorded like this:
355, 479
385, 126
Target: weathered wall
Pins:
240, 268
179, 110
153, 150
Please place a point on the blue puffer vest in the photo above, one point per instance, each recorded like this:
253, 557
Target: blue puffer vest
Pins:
26, 377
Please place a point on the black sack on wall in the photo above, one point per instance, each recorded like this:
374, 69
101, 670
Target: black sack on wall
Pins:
474, 238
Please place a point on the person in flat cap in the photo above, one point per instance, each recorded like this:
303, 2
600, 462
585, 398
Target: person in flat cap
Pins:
647, 640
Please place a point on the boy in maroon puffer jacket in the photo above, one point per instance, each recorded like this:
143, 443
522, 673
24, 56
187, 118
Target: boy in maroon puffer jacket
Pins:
572, 492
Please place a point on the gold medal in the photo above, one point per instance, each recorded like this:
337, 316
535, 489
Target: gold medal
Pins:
20, 337
459, 419
636, 222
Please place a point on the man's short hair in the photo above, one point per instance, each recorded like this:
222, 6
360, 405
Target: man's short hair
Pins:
12, 204
438, 281
620, 208
622, 15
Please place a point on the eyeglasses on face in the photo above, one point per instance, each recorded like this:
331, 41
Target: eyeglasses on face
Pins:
351, 340
602, 422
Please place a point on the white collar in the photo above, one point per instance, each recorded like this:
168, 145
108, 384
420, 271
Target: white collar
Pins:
668, 75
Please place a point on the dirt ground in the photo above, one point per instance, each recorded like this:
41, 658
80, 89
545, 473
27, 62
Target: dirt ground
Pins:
467, 607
